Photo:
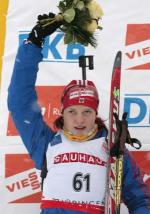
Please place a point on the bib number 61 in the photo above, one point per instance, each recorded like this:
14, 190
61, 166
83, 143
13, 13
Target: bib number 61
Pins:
80, 180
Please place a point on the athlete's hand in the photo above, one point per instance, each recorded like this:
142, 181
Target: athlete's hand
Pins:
39, 32
122, 136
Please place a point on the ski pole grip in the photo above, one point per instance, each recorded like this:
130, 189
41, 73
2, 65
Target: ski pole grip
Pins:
91, 64
86, 61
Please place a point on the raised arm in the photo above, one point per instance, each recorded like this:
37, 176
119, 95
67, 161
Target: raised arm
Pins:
22, 98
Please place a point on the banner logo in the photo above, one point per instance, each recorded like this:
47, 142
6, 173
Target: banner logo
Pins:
54, 49
137, 47
22, 182
137, 107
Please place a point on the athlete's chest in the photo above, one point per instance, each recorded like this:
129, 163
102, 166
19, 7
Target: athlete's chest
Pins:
76, 171
91, 152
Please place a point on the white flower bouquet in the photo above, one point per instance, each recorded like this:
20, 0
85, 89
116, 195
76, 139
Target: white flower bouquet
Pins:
79, 20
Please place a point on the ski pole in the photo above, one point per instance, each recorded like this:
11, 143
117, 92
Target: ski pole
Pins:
86, 61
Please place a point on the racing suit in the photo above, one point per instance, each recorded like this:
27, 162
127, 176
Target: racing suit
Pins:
39, 140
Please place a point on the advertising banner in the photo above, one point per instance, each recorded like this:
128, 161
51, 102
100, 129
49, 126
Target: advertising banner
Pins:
126, 27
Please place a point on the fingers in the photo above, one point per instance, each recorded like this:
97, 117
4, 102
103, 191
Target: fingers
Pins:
124, 116
115, 116
44, 16
51, 15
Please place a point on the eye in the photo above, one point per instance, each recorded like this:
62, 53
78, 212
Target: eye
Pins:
88, 111
71, 111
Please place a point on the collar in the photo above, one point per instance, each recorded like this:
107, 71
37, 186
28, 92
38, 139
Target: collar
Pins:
82, 138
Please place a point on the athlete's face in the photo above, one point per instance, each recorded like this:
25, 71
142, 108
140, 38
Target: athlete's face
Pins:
79, 119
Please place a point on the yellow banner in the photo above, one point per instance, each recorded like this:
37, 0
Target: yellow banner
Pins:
3, 14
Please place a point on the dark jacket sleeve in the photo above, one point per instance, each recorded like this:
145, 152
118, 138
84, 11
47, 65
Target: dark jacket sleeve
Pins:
135, 193
22, 103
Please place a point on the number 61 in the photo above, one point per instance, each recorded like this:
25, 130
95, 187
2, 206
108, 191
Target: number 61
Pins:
79, 179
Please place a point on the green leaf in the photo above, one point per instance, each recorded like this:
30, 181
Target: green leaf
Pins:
61, 6
69, 15
63, 28
69, 3
68, 37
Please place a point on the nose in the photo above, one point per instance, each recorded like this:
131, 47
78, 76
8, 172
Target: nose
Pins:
79, 119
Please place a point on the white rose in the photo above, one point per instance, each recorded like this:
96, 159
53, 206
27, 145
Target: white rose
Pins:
95, 10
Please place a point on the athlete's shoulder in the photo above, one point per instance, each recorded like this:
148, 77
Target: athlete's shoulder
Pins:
102, 133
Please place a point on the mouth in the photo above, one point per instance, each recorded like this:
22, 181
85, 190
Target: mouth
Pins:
80, 128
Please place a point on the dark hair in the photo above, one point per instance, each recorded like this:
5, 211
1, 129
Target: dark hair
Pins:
59, 122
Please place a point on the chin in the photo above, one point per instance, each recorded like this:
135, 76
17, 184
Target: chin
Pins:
80, 133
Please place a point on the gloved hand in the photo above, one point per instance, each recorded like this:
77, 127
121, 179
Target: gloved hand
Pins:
122, 136
39, 32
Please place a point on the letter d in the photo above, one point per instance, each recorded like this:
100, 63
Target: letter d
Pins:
128, 103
